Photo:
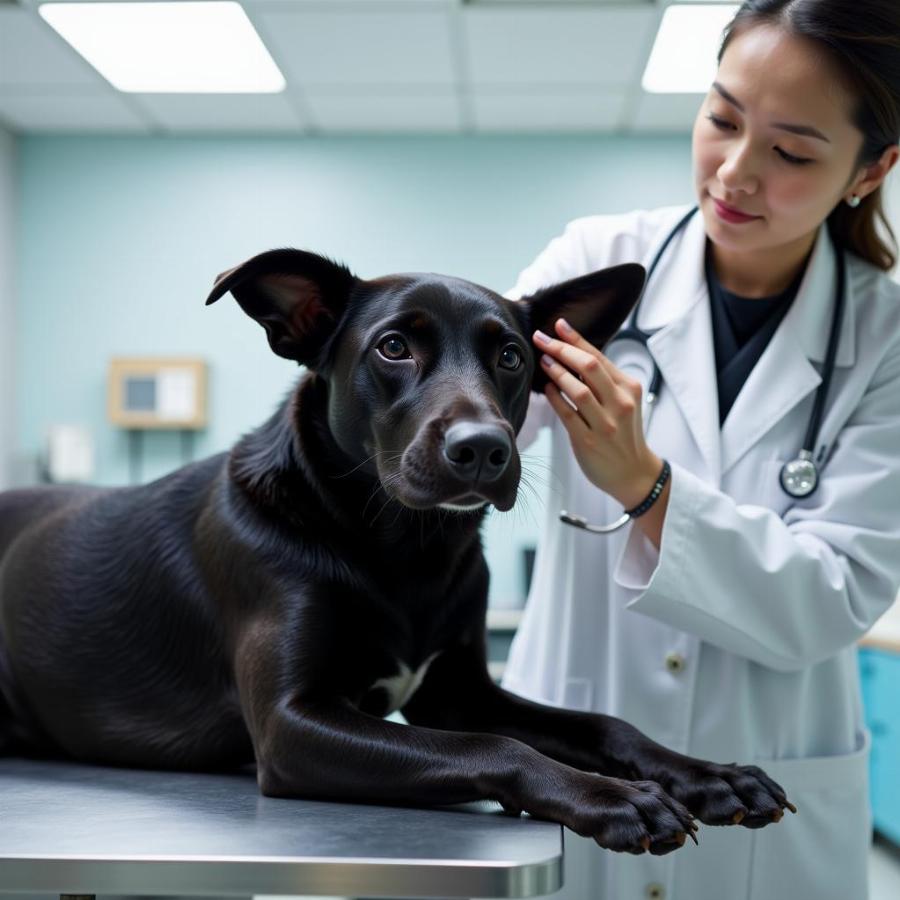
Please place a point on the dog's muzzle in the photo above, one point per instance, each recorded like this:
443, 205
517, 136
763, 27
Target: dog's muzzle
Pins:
464, 467
476, 452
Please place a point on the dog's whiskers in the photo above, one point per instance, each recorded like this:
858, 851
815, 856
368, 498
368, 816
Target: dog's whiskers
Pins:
380, 486
396, 476
396, 454
553, 483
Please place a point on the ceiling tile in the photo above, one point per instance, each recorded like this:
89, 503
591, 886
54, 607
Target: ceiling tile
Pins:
424, 111
567, 45
360, 47
663, 112
101, 111
572, 109
32, 54
222, 112
376, 66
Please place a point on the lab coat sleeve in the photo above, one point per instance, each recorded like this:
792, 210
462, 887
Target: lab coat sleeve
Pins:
786, 592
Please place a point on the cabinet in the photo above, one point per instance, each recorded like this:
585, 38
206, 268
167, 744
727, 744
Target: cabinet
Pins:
880, 671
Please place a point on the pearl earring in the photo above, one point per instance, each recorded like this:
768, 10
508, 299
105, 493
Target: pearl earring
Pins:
854, 201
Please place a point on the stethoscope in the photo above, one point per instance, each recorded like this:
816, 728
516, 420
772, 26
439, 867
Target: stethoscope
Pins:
800, 476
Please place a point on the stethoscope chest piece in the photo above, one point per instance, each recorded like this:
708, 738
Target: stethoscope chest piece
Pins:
799, 477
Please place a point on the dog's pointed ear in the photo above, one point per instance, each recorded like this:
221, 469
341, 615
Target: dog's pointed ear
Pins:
298, 297
595, 305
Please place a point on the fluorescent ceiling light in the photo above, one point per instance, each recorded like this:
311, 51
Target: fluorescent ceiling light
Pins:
683, 59
169, 48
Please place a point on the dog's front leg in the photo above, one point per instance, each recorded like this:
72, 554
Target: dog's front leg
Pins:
459, 693
309, 744
330, 750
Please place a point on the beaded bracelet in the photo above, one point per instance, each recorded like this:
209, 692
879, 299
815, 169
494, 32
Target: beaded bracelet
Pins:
655, 491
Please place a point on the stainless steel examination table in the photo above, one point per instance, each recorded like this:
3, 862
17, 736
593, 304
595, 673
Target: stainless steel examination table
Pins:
72, 829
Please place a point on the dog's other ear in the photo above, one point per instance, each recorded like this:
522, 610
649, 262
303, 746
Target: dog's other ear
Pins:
595, 305
298, 297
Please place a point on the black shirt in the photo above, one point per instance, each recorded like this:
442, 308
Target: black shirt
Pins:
742, 327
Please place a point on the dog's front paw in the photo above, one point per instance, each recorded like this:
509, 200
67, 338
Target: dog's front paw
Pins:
724, 794
627, 816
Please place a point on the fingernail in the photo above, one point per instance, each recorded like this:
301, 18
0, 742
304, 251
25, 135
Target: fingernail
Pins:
565, 327
542, 338
546, 360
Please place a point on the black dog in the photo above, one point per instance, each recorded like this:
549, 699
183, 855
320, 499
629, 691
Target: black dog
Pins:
275, 602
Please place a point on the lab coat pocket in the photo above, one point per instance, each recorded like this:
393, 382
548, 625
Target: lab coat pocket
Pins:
578, 693
822, 851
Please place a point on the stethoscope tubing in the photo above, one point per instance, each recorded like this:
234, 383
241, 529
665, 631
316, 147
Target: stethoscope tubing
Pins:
798, 478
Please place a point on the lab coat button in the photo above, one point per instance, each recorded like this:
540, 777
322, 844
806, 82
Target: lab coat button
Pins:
675, 663
655, 891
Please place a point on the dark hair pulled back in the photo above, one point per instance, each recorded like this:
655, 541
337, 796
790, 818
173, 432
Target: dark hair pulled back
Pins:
862, 38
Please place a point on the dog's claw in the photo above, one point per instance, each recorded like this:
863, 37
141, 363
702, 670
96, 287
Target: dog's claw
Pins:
790, 806
737, 818
645, 842
777, 815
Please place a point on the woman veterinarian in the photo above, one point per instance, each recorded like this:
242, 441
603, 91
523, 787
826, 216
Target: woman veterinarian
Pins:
722, 621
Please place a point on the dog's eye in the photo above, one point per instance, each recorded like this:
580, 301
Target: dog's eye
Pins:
394, 348
510, 357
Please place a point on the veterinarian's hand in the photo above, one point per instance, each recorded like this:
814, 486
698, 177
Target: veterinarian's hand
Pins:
605, 425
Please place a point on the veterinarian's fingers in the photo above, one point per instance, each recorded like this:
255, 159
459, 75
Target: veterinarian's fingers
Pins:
571, 336
574, 424
583, 398
630, 390
585, 366
614, 391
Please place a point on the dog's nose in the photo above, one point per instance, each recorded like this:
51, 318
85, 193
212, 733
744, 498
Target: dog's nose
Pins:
476, 451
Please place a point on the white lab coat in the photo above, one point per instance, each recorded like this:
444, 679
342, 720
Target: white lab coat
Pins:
758, 597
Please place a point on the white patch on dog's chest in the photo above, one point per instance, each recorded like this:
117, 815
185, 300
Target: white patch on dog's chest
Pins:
404, 684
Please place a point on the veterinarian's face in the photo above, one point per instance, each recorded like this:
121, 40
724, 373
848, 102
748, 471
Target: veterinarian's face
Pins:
774, 139
425, 356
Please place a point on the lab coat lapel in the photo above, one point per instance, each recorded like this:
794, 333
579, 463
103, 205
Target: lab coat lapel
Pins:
784, 375
683, 345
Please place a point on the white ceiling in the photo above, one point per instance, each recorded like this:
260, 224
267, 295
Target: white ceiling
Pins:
375, 66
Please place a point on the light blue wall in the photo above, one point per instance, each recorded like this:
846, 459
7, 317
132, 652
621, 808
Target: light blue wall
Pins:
120, 239
8, 210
